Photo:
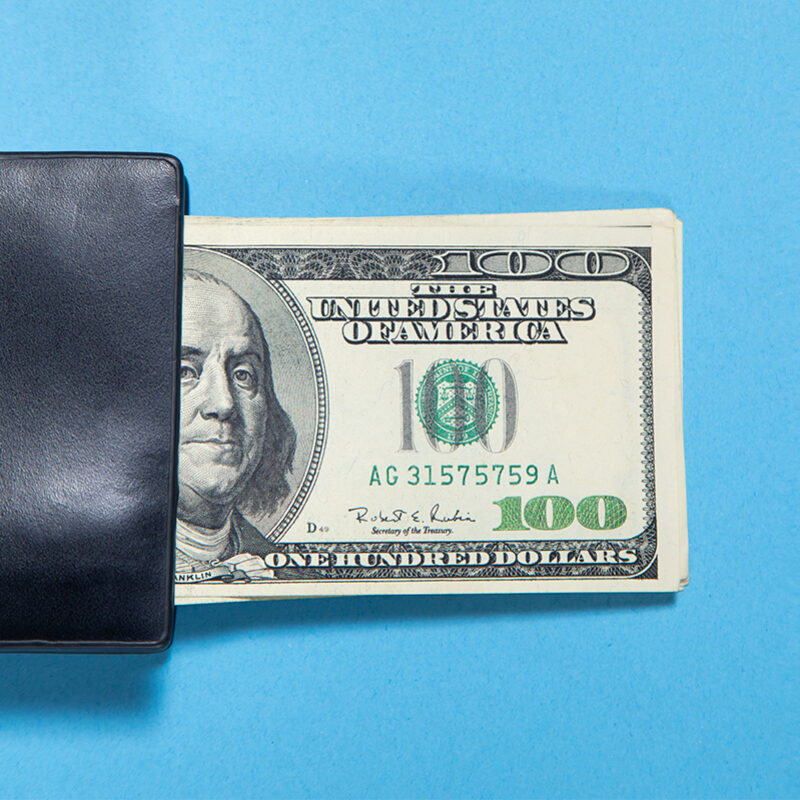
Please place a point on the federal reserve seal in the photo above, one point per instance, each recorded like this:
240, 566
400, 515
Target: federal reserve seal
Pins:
457, 402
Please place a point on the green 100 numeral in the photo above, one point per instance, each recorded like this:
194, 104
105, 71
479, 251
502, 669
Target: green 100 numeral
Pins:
598, 512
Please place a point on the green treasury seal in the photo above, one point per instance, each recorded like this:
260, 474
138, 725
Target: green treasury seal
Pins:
457, 402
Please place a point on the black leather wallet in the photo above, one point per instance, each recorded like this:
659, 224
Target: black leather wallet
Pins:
90, 267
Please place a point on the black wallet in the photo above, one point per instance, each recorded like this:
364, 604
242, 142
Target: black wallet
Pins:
90, 268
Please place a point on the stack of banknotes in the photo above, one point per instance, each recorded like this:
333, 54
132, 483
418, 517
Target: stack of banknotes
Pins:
487, 403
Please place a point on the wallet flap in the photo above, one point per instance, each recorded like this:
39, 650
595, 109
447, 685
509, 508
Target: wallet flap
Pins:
90, 263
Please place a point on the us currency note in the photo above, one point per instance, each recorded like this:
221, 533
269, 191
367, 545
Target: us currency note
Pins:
484, 403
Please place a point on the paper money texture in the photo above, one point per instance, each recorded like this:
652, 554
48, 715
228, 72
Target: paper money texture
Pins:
416, 405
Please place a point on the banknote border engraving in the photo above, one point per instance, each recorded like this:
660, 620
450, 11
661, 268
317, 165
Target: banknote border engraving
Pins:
276, 264
320, 380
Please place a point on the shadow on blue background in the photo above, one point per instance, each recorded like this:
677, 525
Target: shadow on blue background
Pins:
96, 685
115, 685
207, 622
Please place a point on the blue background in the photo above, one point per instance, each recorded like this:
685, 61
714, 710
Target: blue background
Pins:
396, 108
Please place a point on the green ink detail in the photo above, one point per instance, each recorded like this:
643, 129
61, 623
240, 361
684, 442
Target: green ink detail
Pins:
511, 508
375, 477
536, 513
553, 476
457, 402
588, 512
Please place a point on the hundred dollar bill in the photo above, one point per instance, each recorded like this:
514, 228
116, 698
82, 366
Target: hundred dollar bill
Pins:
484, 403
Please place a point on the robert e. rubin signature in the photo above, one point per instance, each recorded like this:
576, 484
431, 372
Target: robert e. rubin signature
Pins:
364, 514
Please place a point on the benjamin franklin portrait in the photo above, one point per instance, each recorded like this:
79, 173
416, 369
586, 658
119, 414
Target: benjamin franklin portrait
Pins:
237, 443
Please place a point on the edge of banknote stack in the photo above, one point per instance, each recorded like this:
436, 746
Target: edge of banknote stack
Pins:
658, 231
